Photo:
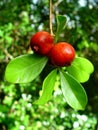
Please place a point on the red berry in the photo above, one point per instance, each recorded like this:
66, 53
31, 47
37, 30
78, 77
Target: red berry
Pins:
62, 54
41, 42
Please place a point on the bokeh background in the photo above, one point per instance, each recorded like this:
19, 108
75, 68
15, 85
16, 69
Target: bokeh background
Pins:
19, 20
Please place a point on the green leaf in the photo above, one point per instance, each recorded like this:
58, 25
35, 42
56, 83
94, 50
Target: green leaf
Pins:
47, 88
25, 68
73, 91
61, 22
81, 68
4, 108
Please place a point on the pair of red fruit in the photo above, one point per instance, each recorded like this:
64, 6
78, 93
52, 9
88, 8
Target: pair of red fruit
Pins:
60, 54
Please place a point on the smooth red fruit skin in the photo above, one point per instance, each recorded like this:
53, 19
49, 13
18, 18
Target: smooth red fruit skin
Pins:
41, 42
62, 54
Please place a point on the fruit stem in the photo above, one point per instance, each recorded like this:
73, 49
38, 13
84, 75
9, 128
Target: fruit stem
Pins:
50, 18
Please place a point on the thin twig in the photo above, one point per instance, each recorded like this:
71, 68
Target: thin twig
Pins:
8, 55
50, 18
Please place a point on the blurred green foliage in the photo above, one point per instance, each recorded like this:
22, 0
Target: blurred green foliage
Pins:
19, 20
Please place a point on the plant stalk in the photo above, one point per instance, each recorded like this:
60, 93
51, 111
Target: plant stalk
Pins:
50, 17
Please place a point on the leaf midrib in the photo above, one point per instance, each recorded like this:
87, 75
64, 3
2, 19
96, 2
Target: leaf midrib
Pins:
72, 91
29, 66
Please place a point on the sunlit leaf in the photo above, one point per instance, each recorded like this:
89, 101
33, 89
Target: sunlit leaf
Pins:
25, 68
47, 88
81, 68
73, 91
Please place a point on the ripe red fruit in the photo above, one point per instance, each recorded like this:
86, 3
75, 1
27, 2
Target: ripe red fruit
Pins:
62, 54
41, 42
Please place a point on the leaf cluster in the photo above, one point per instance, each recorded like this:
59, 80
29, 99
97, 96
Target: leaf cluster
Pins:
27, 67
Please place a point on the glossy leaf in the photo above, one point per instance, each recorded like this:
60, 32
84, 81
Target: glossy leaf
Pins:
73, 91
47, 88
25, 68
81, 69
61, 22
